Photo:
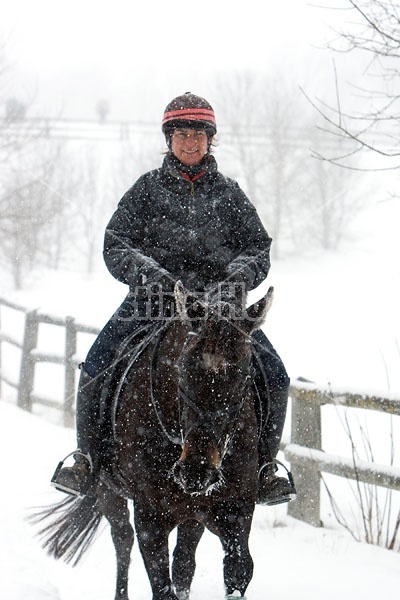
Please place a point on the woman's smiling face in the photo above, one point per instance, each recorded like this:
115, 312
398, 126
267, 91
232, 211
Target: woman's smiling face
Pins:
189, 145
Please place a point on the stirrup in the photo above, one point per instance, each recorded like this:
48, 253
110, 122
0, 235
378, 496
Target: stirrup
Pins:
63, 488
287, 497
277, 462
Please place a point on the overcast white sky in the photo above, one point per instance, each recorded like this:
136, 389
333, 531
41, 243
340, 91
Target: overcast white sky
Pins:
142, 53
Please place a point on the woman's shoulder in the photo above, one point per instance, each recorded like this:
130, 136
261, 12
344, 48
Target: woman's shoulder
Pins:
142, 184
221, 179
228, 182
230, 188
148, 177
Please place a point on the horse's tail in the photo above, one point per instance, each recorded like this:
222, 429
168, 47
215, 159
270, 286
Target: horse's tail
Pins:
72, 525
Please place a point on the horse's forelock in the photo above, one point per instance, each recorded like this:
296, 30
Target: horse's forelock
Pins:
218, 344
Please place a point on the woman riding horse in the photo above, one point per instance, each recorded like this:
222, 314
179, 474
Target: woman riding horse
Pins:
184, 221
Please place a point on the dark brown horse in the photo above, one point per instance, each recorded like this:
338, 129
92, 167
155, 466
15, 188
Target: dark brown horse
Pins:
185, 451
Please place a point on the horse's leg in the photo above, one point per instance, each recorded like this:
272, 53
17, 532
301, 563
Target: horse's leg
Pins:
184, 563
238, 563
152, 532
115, 509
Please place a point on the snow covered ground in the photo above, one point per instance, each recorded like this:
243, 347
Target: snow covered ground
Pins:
335, 320
292, 560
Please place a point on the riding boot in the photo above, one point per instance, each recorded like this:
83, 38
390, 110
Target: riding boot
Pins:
82, 477
271, 488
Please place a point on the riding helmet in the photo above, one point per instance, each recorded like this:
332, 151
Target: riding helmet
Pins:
189, 111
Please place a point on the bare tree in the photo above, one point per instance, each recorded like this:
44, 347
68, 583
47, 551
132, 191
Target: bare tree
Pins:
98, 179
279, 189
89, 204
28, 202
260, 117
237, 99
372, 123
303, 203
87, 184
59, 235
134, 158
329, 200
26, 208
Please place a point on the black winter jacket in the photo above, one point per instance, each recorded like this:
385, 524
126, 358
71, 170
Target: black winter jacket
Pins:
201, 232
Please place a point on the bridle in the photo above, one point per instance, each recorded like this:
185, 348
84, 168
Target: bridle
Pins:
206, 419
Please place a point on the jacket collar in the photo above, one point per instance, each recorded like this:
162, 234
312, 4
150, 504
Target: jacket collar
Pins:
175, 168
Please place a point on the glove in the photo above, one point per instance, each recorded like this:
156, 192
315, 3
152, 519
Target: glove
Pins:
240, 272
153, 277
227, 296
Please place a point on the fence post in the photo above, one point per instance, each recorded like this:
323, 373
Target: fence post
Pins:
69, 382
306, 431
27, 369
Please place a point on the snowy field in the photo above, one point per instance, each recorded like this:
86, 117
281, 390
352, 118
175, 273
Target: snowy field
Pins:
335, 320
292, 560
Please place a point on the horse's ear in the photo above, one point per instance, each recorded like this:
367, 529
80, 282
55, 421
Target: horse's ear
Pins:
180, 300
256, 313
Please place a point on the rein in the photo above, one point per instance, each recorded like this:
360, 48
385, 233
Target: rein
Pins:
174, 438
153, 334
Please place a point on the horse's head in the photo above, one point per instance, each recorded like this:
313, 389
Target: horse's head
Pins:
214, 383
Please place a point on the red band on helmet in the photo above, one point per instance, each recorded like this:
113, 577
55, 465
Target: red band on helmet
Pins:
190, 114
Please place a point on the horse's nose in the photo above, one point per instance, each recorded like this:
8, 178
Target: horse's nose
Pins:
195, 478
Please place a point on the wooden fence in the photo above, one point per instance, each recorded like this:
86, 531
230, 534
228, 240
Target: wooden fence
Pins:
31, 356
304, 451
307, 458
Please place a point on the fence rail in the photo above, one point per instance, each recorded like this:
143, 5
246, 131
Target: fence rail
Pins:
307, 458
31, 356
111, 130
304, 451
